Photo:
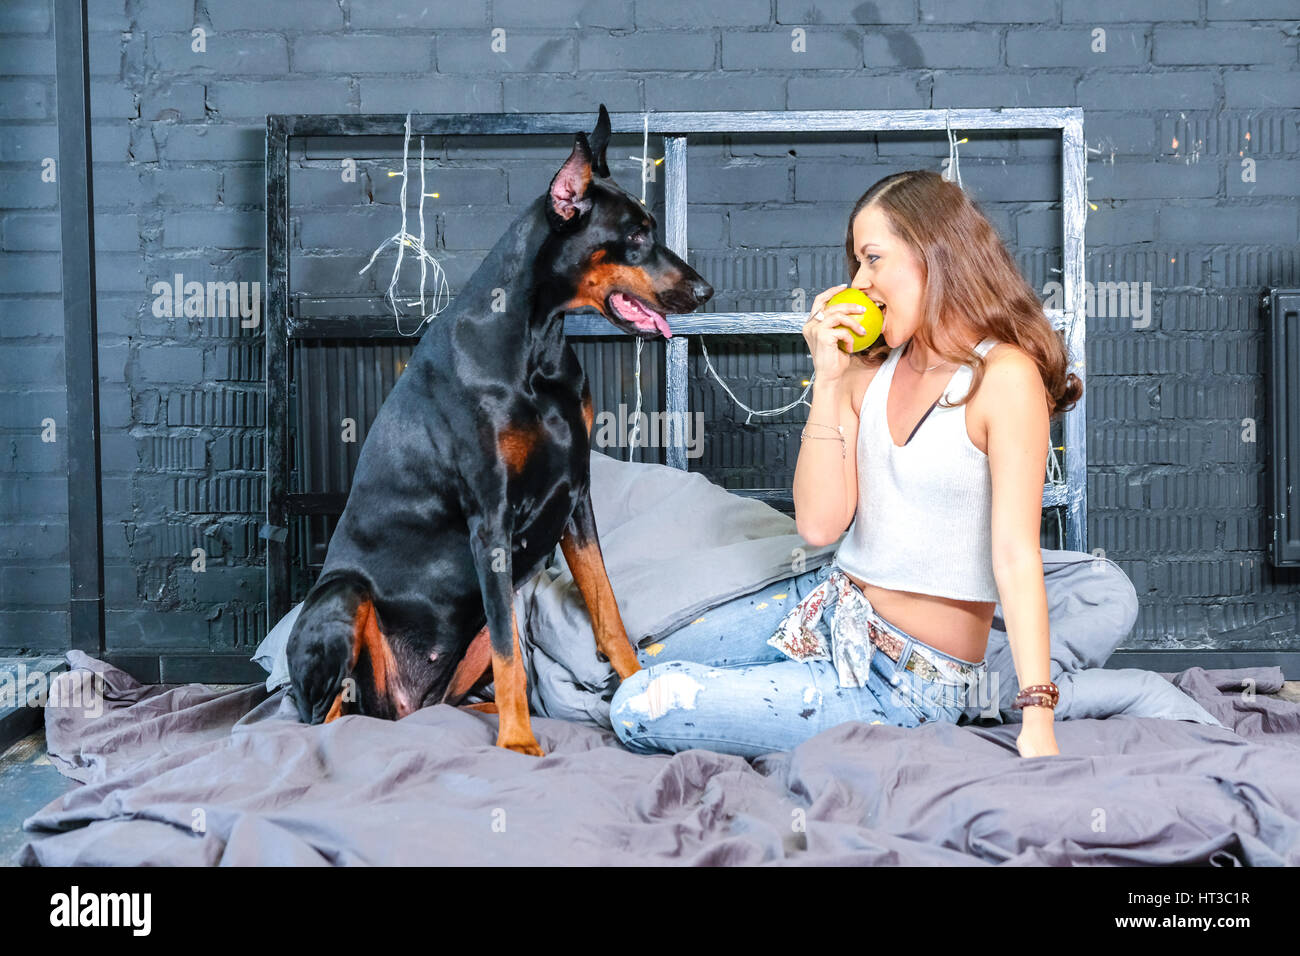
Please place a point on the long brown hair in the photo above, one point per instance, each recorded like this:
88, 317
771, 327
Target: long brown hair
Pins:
965, 264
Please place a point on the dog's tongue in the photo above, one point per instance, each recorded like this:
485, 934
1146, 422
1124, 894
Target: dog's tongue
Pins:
639, 314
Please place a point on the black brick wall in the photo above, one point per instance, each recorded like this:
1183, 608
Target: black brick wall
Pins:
1185, 92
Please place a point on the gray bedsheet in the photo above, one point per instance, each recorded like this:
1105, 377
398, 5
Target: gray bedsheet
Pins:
1154, 768
194, 776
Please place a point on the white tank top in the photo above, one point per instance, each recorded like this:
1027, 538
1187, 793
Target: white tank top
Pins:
924, 516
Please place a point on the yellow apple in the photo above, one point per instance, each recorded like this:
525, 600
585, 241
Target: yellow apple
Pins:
873, 320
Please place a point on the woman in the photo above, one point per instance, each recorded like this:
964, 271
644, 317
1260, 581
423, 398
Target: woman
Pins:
945, 517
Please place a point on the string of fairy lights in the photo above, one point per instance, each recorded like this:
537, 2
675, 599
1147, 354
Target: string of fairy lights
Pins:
403, 240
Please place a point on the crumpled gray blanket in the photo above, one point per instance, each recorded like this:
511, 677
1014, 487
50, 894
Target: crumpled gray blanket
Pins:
1194, 767
190, 775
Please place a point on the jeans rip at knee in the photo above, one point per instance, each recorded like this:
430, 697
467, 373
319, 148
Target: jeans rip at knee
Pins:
655, 691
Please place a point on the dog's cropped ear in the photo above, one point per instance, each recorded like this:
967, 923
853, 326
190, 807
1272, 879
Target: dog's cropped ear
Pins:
599, 140
567, 198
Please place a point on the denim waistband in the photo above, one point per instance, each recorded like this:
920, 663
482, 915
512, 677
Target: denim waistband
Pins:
856, 630
933, 654
929, 664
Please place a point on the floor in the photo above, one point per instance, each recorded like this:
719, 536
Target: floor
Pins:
29, 781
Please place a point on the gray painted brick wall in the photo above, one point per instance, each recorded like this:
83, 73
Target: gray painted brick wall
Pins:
1185, 91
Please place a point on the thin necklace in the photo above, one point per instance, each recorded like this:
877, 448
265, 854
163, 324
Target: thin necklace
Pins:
914, 368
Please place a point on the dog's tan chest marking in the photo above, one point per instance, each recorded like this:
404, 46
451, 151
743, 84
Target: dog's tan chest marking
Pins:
516, 444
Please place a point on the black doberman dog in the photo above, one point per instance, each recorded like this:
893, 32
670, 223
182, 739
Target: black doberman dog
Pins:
478, 463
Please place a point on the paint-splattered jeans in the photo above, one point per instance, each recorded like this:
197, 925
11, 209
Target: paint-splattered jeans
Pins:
717, 684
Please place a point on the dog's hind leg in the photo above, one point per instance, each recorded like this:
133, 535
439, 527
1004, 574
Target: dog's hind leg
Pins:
339, 659
319, 650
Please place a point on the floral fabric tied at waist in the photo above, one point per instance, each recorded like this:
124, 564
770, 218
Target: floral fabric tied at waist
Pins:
798, 636
854, 625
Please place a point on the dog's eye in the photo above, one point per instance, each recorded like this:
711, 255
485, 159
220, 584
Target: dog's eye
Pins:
638, 237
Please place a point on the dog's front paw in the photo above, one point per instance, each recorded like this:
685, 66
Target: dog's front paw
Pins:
526, 745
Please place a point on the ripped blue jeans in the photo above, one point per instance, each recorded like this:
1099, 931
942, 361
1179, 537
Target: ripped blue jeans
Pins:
715, 683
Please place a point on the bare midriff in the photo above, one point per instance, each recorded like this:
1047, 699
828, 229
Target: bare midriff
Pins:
958, 628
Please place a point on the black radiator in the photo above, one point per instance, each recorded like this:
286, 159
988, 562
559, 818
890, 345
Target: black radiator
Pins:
1282, 318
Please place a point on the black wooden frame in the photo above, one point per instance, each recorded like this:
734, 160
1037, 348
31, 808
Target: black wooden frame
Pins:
282, 325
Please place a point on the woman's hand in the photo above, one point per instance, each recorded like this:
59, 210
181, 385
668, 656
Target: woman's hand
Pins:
826, 327
1037, 736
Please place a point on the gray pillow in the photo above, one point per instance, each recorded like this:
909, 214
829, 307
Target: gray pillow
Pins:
1091, 607
270, 654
